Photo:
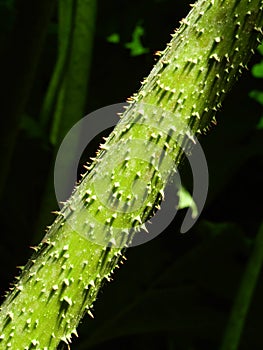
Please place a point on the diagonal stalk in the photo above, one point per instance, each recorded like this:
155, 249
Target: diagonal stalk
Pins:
85, 243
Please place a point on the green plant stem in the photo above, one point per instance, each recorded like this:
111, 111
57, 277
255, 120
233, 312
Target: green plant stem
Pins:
177, 101
50, 116
65, 25
244, 296
78, 70
66, 97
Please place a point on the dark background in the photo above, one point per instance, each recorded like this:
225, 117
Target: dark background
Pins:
176, 291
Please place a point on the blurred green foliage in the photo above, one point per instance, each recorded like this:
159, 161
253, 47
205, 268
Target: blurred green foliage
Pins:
257, 72
135, 45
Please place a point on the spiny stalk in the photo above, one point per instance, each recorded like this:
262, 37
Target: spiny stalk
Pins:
84, 245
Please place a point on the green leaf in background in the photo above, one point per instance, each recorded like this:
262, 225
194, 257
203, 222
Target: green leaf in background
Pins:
257, 70
260, 123
114, 38
136, 46
257, 95
186, 201
260, 48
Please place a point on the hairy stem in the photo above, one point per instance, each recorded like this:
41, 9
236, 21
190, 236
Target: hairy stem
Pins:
126, 180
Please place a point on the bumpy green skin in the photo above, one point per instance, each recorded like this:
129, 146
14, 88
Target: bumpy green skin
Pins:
184, 90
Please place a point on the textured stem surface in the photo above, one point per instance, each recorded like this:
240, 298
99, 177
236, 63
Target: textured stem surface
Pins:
127, 179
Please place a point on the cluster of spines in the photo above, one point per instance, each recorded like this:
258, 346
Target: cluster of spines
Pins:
221, 67
106, 264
